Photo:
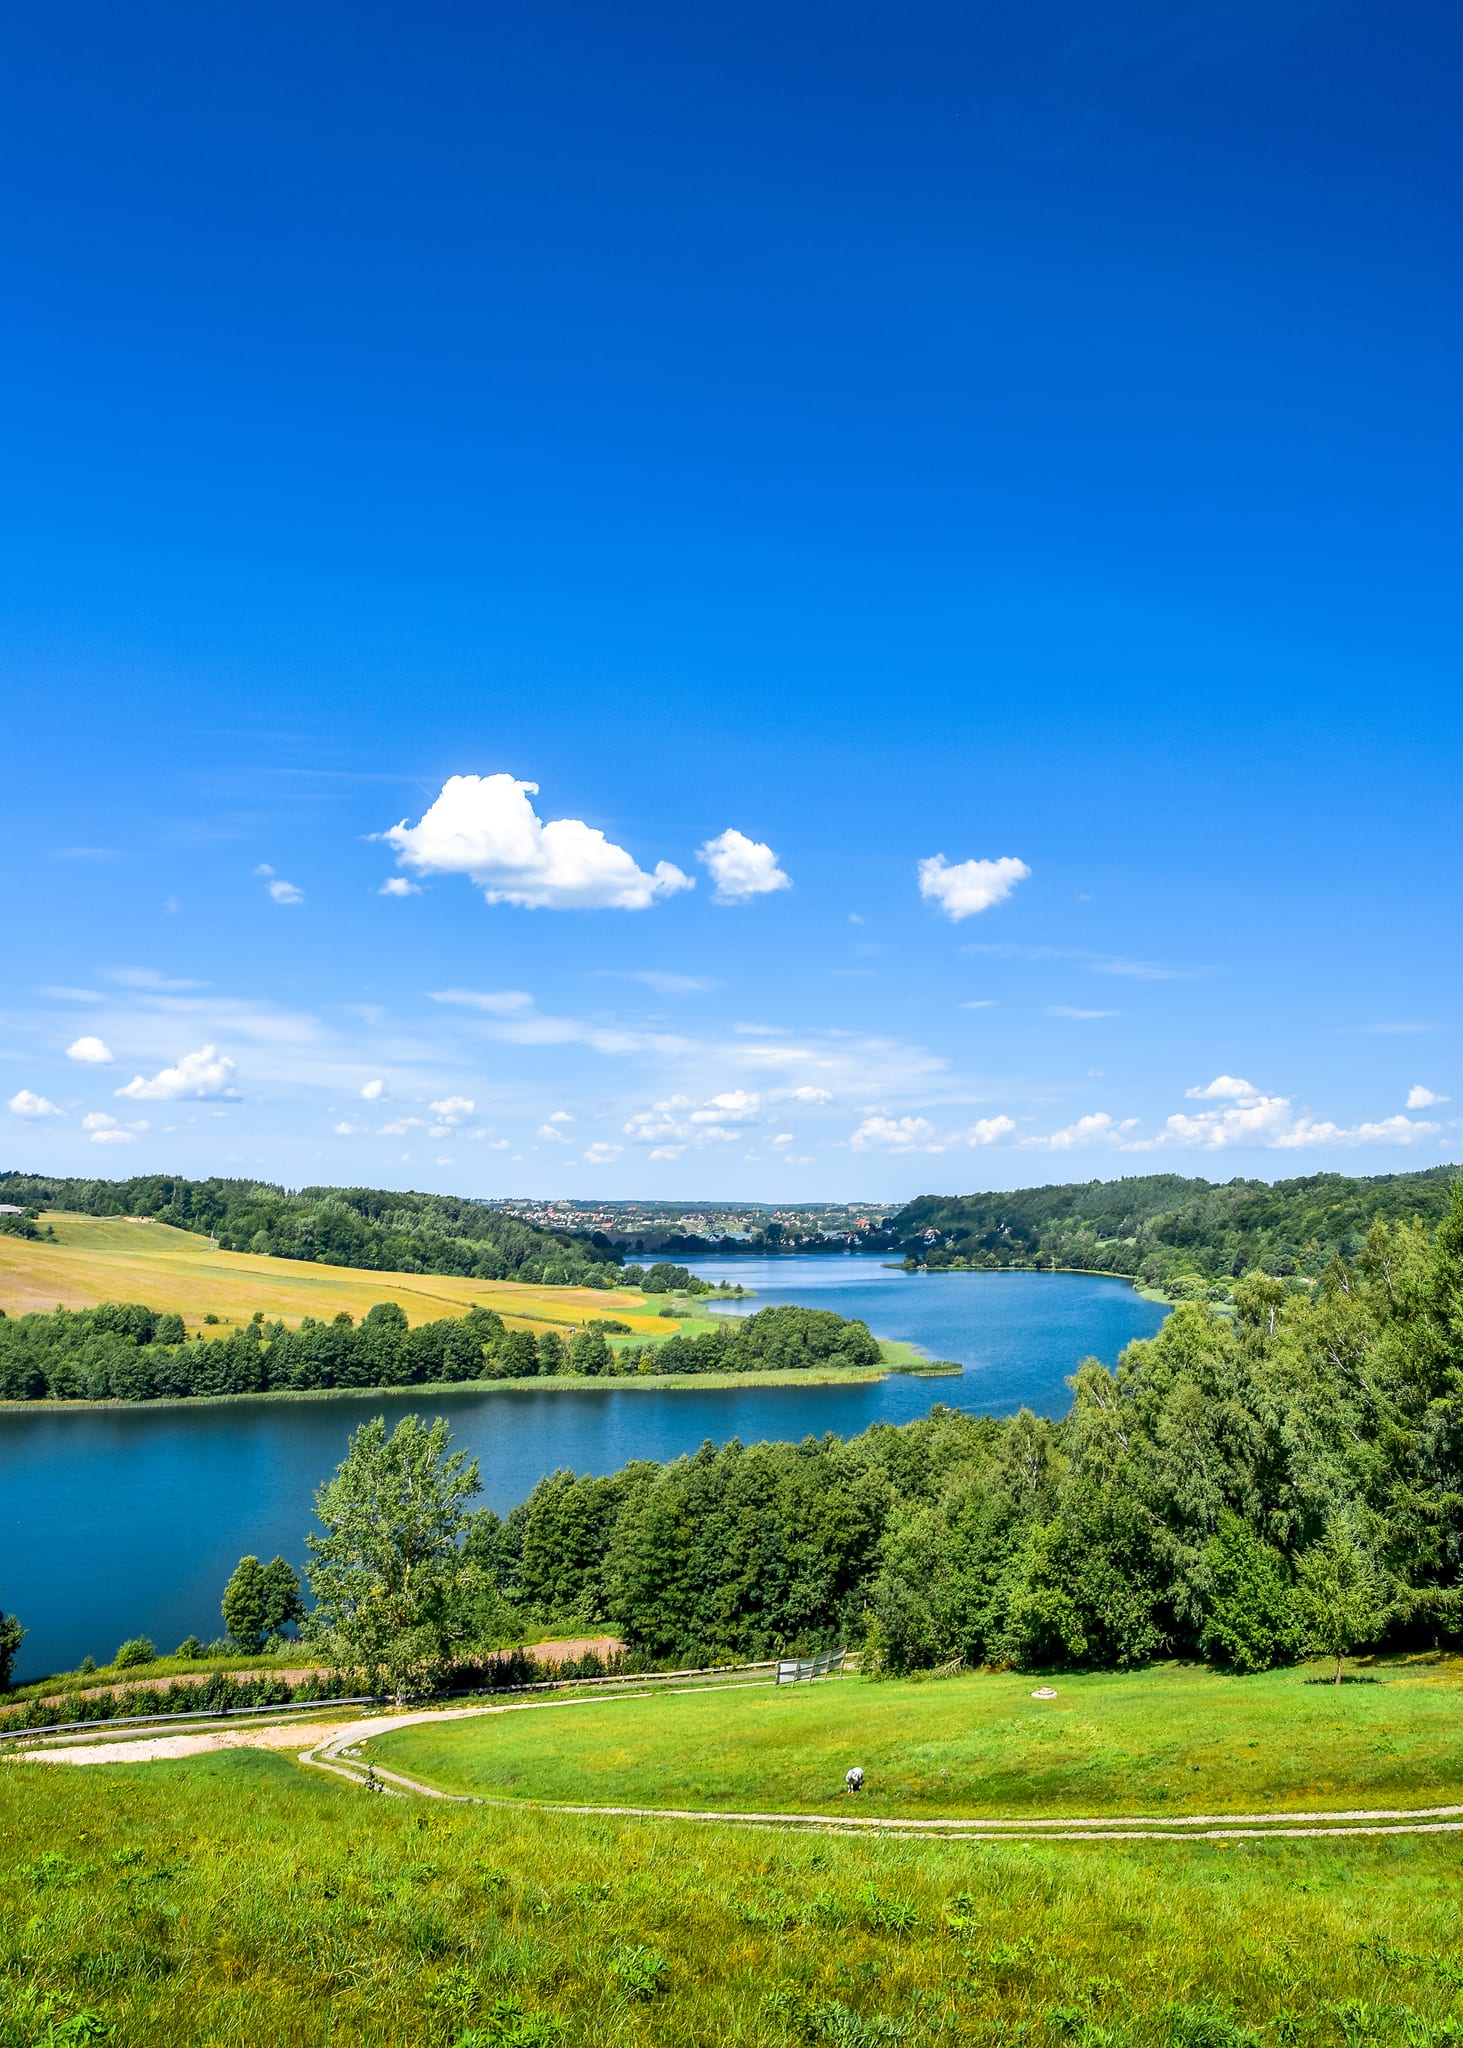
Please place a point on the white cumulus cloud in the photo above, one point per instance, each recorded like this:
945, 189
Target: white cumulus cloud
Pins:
203, 1075
453, 1108
552, 1134
969, 885
91, 1052
24, 1103
1224, 1088
894, 1134
741, 867
371, 1091
1096, 1129
1252, 1120
988, 1130
1424, 1098
398, 885
733, 1107
111, 1137
1391, 1130
484, 826
600, 1154
284, 892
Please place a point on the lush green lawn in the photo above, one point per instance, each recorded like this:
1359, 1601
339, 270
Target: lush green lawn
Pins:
1175, 1739
239, 1902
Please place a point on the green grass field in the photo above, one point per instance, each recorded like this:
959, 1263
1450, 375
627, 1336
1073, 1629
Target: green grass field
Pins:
1175, 1739
236, 1901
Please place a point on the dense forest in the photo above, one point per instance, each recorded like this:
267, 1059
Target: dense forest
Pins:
374, 1228
123, 1351
1242, 1488
1163, 1229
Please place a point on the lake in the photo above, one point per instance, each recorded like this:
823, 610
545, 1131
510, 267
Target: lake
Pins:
126, 1521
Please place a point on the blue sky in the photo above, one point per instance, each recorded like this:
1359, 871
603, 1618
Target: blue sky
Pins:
999, 465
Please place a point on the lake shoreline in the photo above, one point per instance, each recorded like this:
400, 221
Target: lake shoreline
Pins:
566, 1382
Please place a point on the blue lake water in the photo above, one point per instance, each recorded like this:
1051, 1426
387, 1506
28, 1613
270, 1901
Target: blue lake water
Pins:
115, 1522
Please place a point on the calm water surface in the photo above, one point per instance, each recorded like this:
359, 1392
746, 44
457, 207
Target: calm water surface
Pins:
115, 1522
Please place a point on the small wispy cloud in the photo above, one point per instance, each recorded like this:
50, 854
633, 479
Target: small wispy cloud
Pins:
502, 1002
663, 984
1069, 1010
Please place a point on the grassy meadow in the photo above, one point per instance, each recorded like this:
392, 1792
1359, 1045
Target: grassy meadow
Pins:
106, 1258
1173, 1739
237, 1899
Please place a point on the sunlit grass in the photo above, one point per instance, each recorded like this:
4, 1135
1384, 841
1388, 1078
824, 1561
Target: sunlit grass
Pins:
237, 1901
1171, 1740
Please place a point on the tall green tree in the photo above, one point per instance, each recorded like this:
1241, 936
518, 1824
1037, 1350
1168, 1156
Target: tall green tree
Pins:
388, 1574
1342, 1599
11, 1634
261, 1600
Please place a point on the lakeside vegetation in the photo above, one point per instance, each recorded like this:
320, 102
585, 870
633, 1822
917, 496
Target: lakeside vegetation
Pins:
126, 1351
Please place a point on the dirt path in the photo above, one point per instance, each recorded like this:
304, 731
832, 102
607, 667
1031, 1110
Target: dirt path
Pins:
154, 1749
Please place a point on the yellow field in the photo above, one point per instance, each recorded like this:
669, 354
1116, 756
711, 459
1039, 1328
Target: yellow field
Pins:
107, 1259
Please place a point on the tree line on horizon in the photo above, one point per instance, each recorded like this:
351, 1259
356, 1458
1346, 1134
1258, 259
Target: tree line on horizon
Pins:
377, 1229
1186, 1236
1183, 1235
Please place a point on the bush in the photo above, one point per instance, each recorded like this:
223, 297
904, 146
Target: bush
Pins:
136, 1650
1253, 1620
190, 1647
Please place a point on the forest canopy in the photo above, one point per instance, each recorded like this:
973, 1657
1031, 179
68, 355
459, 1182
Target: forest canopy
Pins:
1159, 1228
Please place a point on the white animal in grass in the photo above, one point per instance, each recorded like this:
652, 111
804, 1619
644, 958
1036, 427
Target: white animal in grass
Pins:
854, 1779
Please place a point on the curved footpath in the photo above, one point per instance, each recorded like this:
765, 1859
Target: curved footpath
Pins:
335, 1747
